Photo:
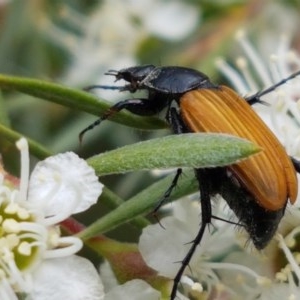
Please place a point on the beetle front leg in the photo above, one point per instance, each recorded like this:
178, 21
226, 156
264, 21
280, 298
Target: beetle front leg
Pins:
173, 118
178, 127
141, 107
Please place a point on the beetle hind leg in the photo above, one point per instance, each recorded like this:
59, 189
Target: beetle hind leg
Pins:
206, 213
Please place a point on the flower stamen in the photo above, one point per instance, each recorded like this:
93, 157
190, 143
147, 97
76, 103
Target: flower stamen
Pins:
293, 264
254, 58
22, 145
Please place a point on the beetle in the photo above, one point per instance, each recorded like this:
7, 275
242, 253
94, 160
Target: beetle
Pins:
257, 189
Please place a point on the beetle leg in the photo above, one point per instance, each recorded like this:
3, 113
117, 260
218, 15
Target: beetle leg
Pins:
202, 177
168, 192
253, 99
296, 164
206, 189
142, 107
176, 122
256, 97
173, 118
273, 87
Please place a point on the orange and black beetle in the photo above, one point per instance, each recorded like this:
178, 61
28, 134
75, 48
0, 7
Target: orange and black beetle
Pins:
257, 189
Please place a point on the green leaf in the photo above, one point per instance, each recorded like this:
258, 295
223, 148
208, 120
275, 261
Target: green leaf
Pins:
142, 203
4, 119
75, 99
108, 197
35, 148
112, 201
189, 150
194, 150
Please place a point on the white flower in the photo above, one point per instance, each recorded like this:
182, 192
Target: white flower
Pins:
71, 183
59, 186
133, 290
72, 278
222, 266
111, 35
173, 242
170, 20
282, 113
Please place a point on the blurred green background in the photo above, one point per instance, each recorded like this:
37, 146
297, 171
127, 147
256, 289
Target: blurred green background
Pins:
75, 42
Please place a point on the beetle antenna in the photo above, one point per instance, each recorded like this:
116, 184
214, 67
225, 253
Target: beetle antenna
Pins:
106, 87
112, 73
276, 85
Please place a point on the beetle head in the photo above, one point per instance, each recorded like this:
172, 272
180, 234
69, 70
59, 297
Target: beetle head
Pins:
133, 75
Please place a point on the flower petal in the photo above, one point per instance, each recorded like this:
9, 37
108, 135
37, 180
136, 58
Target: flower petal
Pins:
280, 291
107, 276
133, 290
171, 20
72, 278
171, 245
62, 185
